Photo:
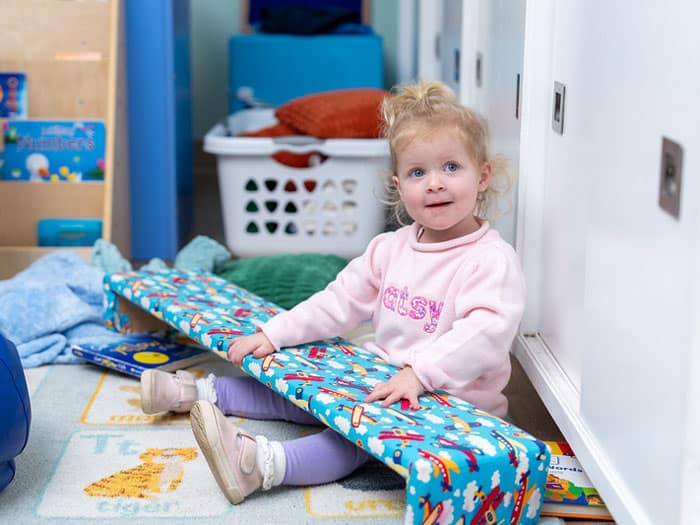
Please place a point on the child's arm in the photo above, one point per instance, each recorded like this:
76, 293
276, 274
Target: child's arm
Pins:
342, 305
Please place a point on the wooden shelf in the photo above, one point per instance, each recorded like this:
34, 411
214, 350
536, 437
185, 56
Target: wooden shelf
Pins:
73, 55
15, 258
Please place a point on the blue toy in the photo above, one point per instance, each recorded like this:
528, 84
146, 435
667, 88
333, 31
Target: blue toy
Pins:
17, 413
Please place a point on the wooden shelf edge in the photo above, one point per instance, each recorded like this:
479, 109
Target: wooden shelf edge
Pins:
14, 259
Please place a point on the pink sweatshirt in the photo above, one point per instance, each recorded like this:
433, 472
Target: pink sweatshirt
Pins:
450, 310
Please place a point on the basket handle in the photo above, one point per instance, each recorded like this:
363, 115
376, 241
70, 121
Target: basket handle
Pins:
220, 142
298, 140
298, 144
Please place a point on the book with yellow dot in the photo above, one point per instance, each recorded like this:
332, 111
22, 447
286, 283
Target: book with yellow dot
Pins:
133, 354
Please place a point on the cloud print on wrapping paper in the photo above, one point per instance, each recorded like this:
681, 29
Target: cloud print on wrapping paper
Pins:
418, 307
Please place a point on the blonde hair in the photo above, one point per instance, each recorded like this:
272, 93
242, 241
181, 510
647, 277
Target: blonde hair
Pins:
419, 109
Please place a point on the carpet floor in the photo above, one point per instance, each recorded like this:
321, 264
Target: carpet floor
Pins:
94, 456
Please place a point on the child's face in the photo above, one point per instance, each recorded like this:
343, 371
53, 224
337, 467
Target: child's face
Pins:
438, 183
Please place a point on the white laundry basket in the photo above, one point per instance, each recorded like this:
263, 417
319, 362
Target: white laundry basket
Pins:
269, 208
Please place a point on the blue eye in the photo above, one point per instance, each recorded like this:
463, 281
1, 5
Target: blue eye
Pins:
451, 166
416, 173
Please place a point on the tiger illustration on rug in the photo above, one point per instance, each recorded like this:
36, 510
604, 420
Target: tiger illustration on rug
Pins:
161, 470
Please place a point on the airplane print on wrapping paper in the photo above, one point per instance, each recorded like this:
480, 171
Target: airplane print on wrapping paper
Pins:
500, 477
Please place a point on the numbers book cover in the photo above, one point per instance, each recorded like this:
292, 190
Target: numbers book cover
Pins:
54, 150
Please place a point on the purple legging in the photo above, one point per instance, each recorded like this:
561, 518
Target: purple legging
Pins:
318, 458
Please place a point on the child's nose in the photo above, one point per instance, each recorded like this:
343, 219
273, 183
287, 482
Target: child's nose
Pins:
435, 182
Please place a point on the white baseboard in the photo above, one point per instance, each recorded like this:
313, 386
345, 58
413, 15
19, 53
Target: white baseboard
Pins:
562, 400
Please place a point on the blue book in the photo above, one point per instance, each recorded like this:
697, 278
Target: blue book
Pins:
133, 354
13, 95
54, 150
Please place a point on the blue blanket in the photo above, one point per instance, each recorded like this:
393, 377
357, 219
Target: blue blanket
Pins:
57, 301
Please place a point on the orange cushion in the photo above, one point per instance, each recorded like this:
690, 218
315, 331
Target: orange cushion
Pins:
344, 113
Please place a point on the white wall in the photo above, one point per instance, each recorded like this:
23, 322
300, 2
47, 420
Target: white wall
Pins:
212, 22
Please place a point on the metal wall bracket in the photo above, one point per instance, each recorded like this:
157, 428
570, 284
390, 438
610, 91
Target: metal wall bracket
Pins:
479, 69
670, 177
558, 107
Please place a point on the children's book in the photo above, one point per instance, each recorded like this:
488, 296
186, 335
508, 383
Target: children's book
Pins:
13, 95
568, 491
54, 150
133, 354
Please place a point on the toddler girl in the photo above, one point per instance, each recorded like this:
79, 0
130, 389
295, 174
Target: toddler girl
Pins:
445, 295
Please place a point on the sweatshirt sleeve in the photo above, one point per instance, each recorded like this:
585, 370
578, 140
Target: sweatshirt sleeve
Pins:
488, 311
344, 303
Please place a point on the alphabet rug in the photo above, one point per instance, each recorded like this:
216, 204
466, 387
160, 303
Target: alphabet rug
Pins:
94, 457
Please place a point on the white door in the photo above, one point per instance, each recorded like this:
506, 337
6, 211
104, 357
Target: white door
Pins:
482, 55
496, 79
450, 43
610, 273
640, 261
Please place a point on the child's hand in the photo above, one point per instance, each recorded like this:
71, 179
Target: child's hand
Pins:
258, 344
404, 385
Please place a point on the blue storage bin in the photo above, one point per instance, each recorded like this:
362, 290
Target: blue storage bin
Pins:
278, 68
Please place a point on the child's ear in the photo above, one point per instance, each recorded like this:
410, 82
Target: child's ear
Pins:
485, 176
395, 182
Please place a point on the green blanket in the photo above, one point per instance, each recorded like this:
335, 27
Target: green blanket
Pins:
285, 280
